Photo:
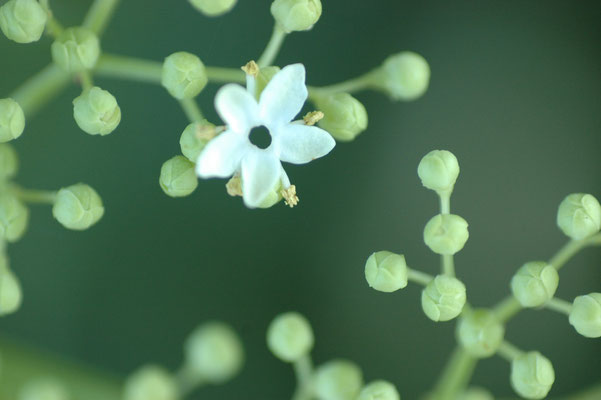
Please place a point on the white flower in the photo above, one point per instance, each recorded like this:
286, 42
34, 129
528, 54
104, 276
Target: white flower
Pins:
261, 169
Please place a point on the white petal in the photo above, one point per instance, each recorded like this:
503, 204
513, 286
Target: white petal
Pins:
222, 155
284, 96
260, 174
237, 108
299, 144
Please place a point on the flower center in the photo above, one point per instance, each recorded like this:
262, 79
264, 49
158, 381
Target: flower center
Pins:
260, 137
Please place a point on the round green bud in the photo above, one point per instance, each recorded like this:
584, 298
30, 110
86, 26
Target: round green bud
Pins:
9, 162
379, 390
10, 292
14, 217
96, 112
76, 49
386, 271
184, 75
338, 380
296, 15
344, 116
151, 382
579, 216
44, 389
290, 337
404, 76
214, 352
438, 171
78, 207
475, 393
446, 234
178, 178
534, 283
532, 375
585, 316
263, 78
23, 20
480, 333
12, 120
213, 8
192, 140
443, 298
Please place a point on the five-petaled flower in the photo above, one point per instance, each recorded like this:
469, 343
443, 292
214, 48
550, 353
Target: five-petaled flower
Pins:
260, 169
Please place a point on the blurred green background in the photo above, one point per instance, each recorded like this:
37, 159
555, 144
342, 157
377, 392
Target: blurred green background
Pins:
515, 94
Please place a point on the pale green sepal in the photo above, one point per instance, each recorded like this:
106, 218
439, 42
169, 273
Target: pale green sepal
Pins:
78, 207
386, 271
438, 171
263, 78
76, 49
12, 120
191, 141
184, 75
14, 217
579, 216
296, 15
178, 178
338, 380
404, 76
446, 234
213, 8
344, 116
11, 295
443, 298
534, 283
290, 337
96, 111
379, 390
23, 21
44, 389
532, 375
585, 316
151, 382
9, 162
480, 333
475, 393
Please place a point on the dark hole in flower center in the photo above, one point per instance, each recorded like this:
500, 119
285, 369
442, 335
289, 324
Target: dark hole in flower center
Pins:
260, 137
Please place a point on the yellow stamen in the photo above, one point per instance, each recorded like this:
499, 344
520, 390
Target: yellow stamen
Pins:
251, 68
290, 197
234, 186
312, 118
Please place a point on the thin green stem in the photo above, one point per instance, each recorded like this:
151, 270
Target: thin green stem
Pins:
40, 88
419, 277
592, 393
224, 75
571, 248
273, 46
86, 80
191, 110
187, 381
352, 85
53, 27
448, 265
99, 15
508, 351
34, 196
559, 305
507, 308
303, 369
456, 375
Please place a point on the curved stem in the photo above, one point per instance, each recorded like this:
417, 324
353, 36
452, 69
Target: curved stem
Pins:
571, 248
99, 15
508, 351
559, 305
40, 88
419, 277
187, 381
352, 85
273, 46
303, 369
455, 376
507, 308
191, 110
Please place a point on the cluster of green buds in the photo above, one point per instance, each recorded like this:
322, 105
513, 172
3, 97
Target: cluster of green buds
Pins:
290, 338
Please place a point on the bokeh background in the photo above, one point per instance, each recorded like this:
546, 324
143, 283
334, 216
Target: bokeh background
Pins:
515, 94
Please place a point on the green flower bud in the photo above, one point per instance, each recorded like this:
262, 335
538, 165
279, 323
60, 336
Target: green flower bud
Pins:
151, 382
480, 333
78, 207
263, 78
386, 271
184, 75
296, 15
579, 216
96, 112
12, 120
76, 49
290, 337
213, 8
535, 283
214, 352
446, 234
532, 375
379, 390
10, 292
44, 389
585, 316
14, 217
438, 171
344, 116
23, 20
443, 298
338, 380
9, 162
178, 178
192, 141
404, 76
475, 393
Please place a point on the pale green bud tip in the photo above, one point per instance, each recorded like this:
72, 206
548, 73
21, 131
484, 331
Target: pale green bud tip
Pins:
9, 162
76, 49
443, 298
344, 116
438, 171
96, 112
44, 389
404, 76
338, 380
446, 234
22, 20
178, 178
214, 352
532, 375
290, 337
184, 75
12, 120
77, 207
14, 217
475, 393
150, 382
194, 139
386, 271
379, 390
10, 292
213, 8
579, 216
585, 316
480, 333
534, 283
296, 15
